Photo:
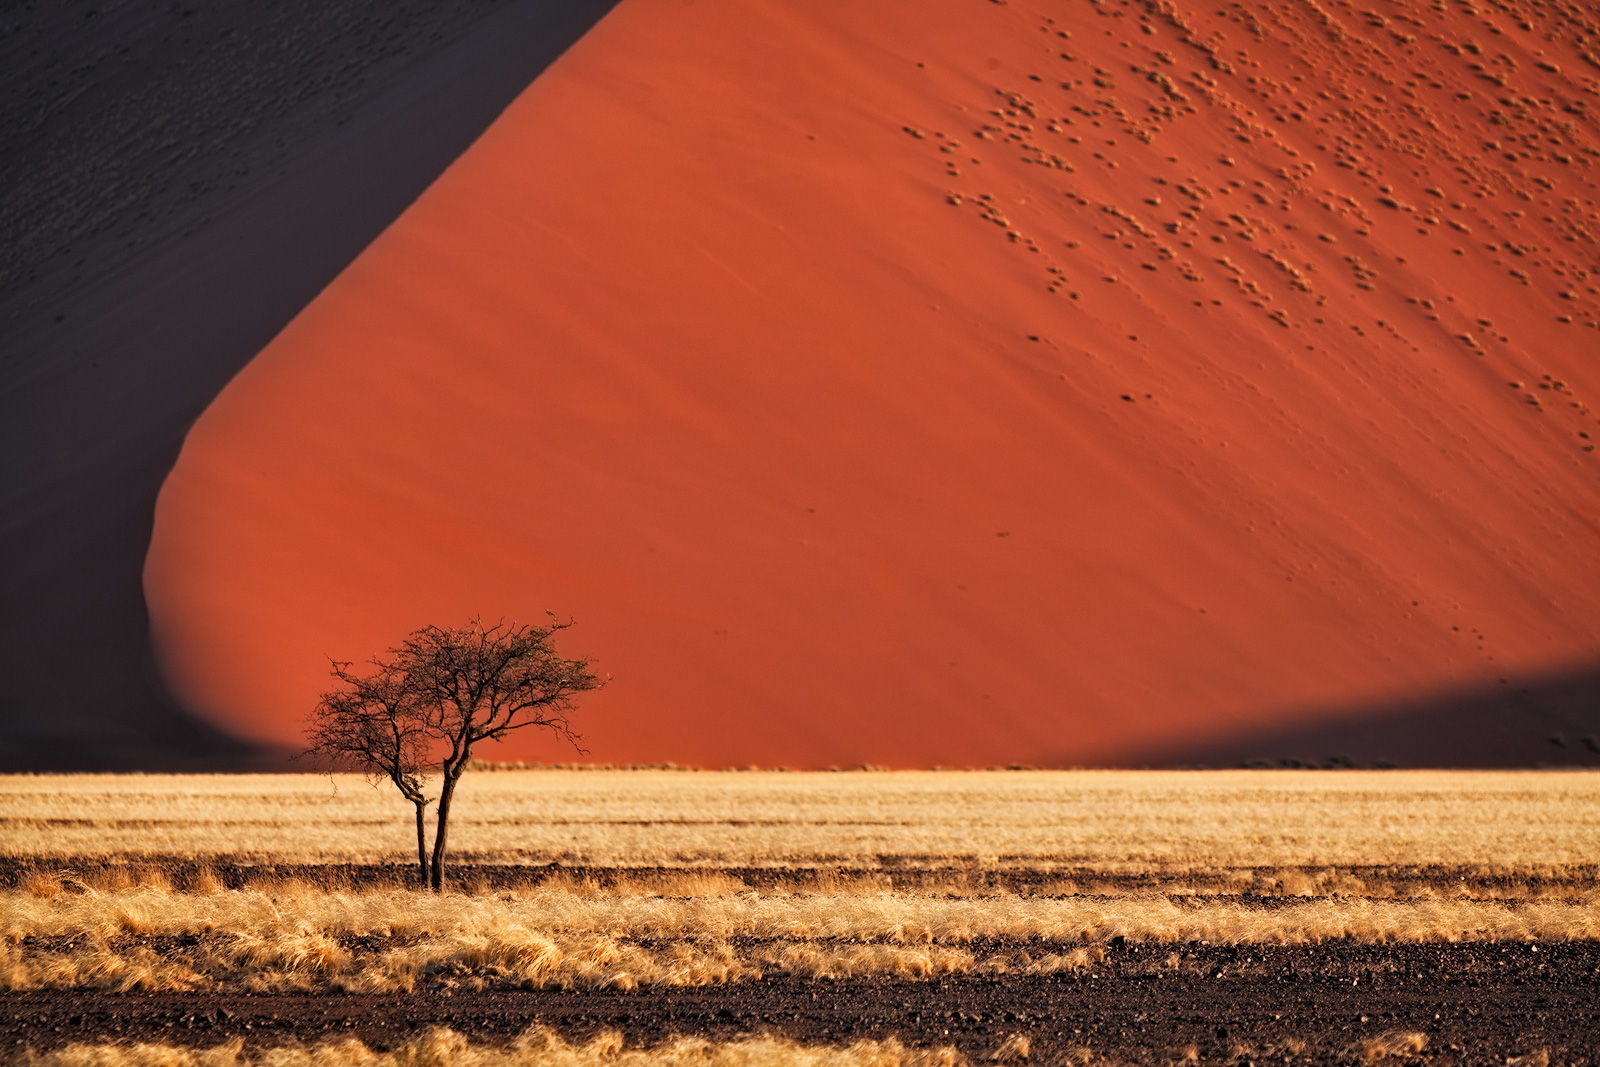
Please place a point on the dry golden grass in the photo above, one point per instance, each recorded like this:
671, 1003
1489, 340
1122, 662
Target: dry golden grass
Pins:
1111, 821
1396, 1044
1333, 839
291, 936
538, 1048
544, 1048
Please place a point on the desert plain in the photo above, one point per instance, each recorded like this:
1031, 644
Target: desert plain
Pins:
963, 382
621, 916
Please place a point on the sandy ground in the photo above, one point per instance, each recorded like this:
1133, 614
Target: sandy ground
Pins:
958, 383
176, 182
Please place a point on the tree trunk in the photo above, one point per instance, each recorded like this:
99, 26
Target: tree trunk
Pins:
441, 829
422, 844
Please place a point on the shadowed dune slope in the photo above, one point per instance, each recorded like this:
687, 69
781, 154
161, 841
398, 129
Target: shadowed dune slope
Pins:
176, 182
951, 382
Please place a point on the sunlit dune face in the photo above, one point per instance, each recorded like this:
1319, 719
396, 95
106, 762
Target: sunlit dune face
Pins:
934, 382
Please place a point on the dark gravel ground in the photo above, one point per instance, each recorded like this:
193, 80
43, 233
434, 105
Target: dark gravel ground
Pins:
1477, 1003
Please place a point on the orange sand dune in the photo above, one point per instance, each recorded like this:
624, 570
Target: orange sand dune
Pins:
948, 381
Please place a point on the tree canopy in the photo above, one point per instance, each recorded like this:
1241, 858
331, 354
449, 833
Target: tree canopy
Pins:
419, 710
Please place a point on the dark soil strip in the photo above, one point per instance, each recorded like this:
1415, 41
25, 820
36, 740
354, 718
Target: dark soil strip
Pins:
893, 872
1477, 1004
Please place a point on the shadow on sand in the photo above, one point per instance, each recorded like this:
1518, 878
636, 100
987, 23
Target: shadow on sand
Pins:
1548, 722
180, 181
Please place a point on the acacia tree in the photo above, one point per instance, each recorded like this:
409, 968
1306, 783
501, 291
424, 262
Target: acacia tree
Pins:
374, 725
432, 699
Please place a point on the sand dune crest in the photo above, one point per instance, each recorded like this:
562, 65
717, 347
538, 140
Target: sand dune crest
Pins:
953, 382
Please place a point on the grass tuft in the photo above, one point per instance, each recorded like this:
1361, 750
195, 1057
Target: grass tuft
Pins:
1014, 1049
41, 885
1396, 1044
